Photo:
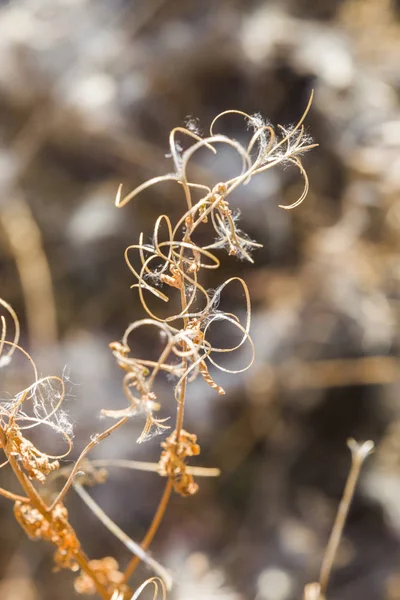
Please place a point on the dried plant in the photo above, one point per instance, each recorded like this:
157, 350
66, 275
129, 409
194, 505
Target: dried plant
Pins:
172, 262
359, 452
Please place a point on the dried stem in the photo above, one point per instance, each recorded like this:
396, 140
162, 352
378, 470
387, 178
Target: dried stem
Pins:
152, 467
121, 535
11, 496
359, 453
99, 437
151, 532
25, 241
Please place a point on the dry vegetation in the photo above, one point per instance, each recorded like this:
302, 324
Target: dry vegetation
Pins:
106, 82
171, 260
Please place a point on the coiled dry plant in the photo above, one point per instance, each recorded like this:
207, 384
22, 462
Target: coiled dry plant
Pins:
172, 262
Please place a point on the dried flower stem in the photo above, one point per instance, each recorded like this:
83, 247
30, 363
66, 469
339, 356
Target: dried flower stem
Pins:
99, 437
182, 259
359, 453
162, 506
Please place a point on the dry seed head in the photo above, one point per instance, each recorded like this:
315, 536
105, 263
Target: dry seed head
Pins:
36, 463
312, 591
55, 529
360, 450
172, 462
108, 574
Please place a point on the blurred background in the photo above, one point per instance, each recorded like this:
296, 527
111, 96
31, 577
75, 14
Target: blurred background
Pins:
89, 90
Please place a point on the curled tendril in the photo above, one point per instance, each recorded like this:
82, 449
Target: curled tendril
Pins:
271, 149
171, 263
159, 592
5, 358
184, 354
44, 397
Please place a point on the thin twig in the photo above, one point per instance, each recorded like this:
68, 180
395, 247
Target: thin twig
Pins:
122, 536
359, 453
